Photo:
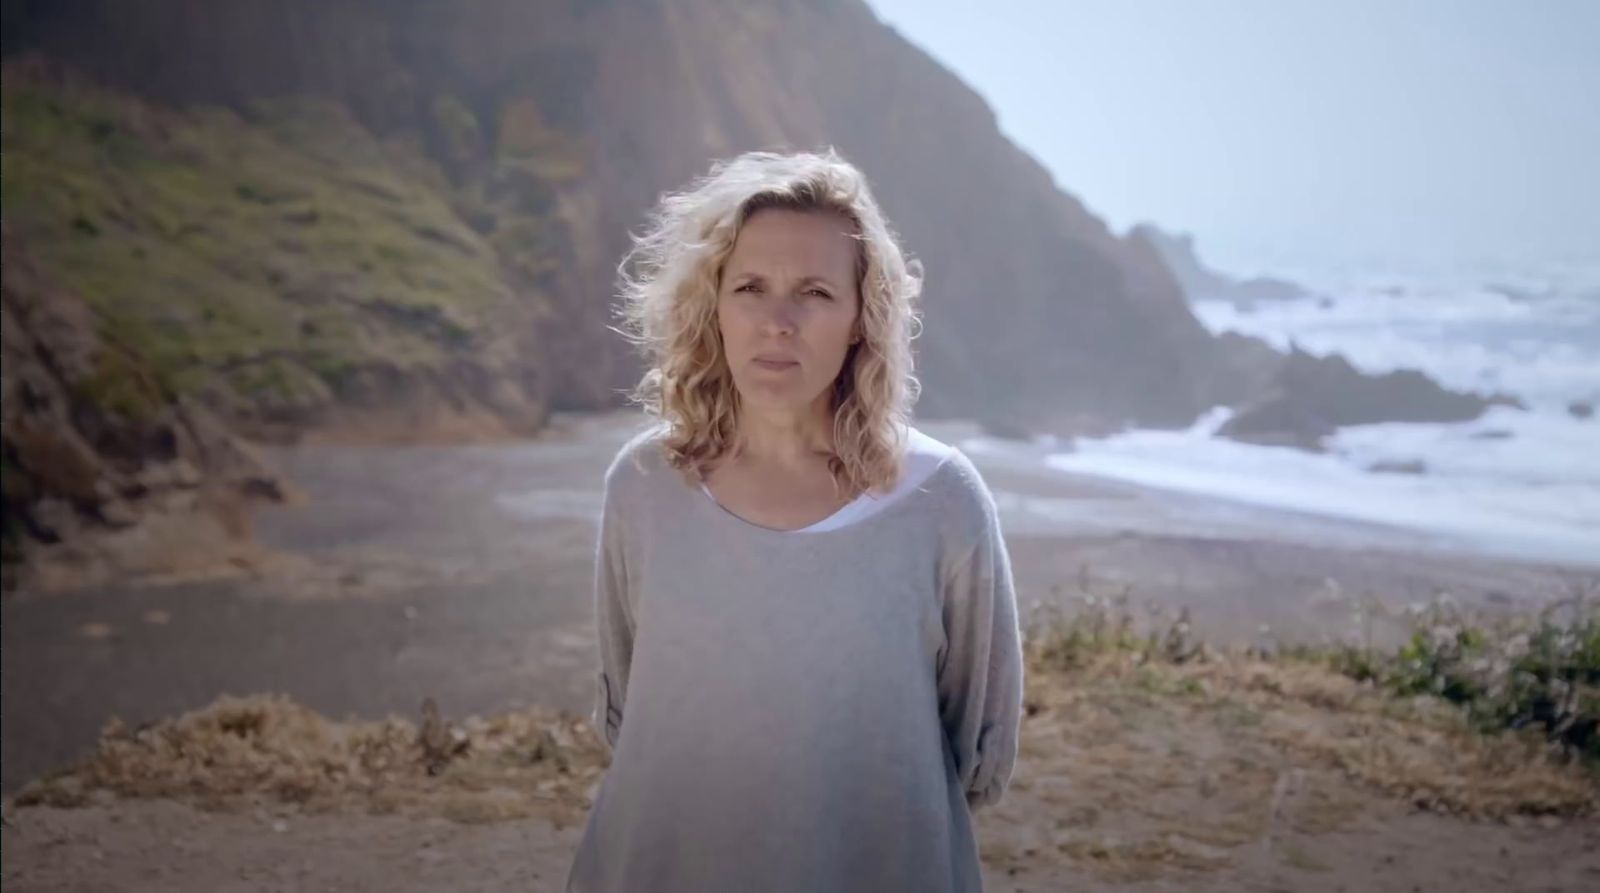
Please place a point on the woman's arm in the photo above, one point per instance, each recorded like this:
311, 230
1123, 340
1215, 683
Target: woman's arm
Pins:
980, 672
614, 619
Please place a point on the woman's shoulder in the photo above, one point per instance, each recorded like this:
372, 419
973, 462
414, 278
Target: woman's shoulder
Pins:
638, 457
966, 515
962, 496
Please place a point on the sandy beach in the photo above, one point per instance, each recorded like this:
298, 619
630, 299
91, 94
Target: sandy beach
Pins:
463, 574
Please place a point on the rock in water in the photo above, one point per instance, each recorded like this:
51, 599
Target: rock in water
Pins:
1279, 421
1399, 466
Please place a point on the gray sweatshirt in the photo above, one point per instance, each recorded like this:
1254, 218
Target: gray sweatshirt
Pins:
798, 711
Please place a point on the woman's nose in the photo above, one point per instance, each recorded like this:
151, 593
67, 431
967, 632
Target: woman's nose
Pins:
781, 317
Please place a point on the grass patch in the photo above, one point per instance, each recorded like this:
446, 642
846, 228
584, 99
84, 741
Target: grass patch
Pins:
1476, 715
225, 247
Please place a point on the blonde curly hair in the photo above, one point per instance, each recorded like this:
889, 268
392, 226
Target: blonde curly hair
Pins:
669, 283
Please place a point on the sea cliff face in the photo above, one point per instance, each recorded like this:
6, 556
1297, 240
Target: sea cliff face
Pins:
508, 148
399, 221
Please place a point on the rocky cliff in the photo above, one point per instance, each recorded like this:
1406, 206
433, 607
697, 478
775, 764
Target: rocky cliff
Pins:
106, 471
401, 218
1201, 283
553, 126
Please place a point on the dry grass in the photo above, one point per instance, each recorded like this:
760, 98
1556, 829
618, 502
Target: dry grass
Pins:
1142, 757
1424, 748
1146, 755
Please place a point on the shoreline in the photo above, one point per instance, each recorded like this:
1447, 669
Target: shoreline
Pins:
1378, 508
465, 572
1047, 500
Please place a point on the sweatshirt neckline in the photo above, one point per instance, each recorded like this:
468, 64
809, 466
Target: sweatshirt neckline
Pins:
806, 529
725, 518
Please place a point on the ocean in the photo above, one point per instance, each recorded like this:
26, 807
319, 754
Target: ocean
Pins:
1514, 483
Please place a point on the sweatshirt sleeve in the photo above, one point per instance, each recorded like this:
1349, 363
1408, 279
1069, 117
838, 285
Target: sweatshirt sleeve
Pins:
614, 619
980, 673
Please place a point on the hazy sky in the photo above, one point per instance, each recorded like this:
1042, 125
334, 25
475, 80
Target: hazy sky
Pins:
1298, 131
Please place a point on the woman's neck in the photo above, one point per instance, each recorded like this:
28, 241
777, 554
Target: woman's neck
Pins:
785, 441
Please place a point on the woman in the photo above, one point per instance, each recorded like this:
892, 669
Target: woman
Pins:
811, 667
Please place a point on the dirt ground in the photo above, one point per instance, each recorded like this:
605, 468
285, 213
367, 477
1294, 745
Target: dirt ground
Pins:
161, 845
1226, 775
461, 574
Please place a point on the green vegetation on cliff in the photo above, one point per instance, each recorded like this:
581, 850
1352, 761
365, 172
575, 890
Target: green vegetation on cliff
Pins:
264, 260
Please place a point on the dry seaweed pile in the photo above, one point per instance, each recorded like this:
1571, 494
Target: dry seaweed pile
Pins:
238, 753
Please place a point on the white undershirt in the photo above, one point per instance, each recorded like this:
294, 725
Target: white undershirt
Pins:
923, 455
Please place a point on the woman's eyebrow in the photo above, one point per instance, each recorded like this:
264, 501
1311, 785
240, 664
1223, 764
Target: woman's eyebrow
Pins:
804, 280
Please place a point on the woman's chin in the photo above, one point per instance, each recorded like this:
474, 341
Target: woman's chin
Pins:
774, 396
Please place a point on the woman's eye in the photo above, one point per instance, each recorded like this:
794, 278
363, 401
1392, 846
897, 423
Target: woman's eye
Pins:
752, 287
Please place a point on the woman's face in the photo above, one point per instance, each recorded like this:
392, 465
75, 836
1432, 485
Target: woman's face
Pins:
788, 295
